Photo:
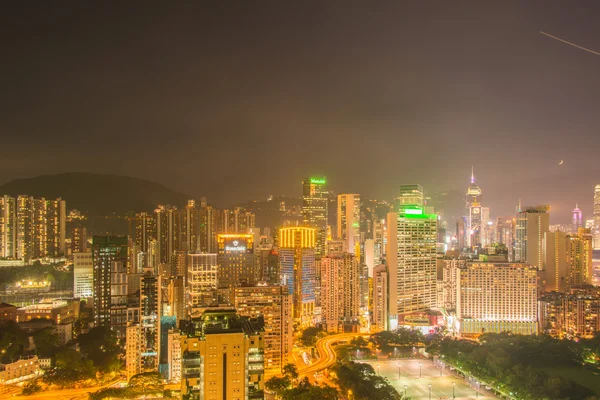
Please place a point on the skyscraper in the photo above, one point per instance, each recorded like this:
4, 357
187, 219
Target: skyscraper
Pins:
474, 220
315, 210
555, 268
577, 219
532, 225
297, 268
8, 227
340, 292
110, 256
596, 232
237, 266
579, 257
411, 254
83, 275
202, 282
348, 221
380, 298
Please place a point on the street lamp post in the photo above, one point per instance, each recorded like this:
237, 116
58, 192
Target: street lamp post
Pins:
405, 387
453, 385
399, 374
420, 370
378, 370
430, 391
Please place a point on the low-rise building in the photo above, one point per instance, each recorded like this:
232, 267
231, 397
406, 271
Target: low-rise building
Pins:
58, 311
24, 369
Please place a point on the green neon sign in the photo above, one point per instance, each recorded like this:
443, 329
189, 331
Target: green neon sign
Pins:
318, 181
355, 224
413, 211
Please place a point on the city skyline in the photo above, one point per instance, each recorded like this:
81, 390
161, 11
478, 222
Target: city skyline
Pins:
462, 81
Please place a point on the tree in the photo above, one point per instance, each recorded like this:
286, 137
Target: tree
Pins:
310, 336
31, 388
100, 346
146, 383
13, 342
45, 342
291, 372
278, 384
364, 383
305, 391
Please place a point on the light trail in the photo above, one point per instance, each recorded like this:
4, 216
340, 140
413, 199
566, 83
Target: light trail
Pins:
570, 43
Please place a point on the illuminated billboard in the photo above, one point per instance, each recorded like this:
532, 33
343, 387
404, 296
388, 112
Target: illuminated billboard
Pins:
233, 244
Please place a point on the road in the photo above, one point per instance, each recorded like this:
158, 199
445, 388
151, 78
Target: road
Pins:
69, 394
326, 352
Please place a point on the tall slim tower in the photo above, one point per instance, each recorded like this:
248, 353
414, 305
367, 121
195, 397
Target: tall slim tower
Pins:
577, 219
8, 227
315, 210
532, 225
596, 232
348, 221
412, 238
473, 203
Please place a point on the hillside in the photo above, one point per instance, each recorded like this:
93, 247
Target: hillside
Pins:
97, 194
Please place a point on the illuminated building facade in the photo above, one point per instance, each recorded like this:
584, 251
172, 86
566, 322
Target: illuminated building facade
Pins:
202, 281
83, 275
411, 259
596, 231
380, 298
8, 227
110, 256
555, 267
315, 210
497, 297
532, 225
572, 314
145, 230
474, 220
150, 313
133, 350
348, 222
298, 269
236, 261
79, 240
174, 356
222, 356
579, 257
274, 305
448, 269
340, 291
577, 219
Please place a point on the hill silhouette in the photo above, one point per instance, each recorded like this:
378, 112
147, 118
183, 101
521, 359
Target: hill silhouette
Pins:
97, 194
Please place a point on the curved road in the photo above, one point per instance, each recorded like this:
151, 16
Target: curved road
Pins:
327, 356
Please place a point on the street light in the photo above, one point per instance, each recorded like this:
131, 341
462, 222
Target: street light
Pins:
399, 375
430, 391
378, 370
453, 384
420, 370
405, 390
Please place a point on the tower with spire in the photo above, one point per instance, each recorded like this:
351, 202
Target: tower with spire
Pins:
473, 205
577, 219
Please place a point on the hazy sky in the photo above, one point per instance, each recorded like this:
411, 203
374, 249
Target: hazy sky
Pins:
237, 100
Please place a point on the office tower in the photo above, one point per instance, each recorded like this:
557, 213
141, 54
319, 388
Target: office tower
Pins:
150, 313
379, 239
473, 203
340, 292
174, 356
577, 219
315, 210
25, 228
145, 230
461, 228
579, 258
274, 305
79, 240
555, 268
596, 232
168, 231
222, 356
176, 293
236, 261
191, 227
380, 298
497, 297
83, 275
202, 281
348, 221
411, 255
447, 274
208, 230
133, 350
8, 227
410, 195
297, 268
334, 247
532, 224
110, 256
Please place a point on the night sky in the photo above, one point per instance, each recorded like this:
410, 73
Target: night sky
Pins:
238, 100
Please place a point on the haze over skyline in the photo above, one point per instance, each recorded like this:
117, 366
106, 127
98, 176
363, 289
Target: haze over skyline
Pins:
372, 96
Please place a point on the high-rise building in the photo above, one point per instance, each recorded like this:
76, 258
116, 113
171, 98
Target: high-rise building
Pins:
79, 239
340, 292
237, 266
41, 226
208, 230
579, 258
497, 297
447, 275
348, 221
380, 298
83, 276
474, 224
411, 256
145, 230
532, 225
202, 281
577, 219
174, 356
596, 232
133, 350
297, 268
222, 356
191, 227
274, 305
555, 267
168, 231
150, 313
8, 227
315, 210
110, 256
